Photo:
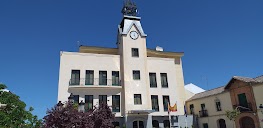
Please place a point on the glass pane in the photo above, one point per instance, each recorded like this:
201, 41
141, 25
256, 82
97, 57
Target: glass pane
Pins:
115, 78
165, 102
164, 80
102, 99
89, 77
141, 125
242, 100
116, 103
102, 77
88, 102
75, 77
135, 124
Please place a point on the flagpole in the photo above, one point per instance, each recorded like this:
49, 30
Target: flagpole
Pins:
168, 106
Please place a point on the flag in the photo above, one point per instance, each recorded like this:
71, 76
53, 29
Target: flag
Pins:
172, 108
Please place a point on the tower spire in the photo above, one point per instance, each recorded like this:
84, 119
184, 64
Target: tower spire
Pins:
129, 8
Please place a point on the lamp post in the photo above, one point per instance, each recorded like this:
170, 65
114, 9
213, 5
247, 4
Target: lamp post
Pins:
261, 108
71, 98
60, 105
81, 106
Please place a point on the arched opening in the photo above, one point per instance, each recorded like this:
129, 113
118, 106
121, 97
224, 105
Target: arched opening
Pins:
247, 122
222, 123
138, 124
155, 124
116, 124
166, 124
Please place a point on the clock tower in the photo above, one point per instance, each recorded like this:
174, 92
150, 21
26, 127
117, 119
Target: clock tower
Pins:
133, 65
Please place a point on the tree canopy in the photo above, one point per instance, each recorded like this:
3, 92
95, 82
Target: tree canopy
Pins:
67, 116
15, 115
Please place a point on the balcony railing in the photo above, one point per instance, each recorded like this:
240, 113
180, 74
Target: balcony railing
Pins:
203, 113
94, 82
243, 107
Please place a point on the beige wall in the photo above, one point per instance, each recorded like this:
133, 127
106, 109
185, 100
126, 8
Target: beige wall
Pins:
258, 94
213, 114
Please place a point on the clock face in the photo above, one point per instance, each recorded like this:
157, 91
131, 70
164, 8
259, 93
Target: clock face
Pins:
134, 35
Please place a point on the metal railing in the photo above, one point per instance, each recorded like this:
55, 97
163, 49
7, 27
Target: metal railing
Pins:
203, 113
94, 82
244, 107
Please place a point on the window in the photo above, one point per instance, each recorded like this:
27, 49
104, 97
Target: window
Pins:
137, 99
135, 52
164, 80
155, 104
165, 102
103, 78
138, 124
115, 78
76, 99
202, 106
155, 124
166, 124
115, 103
191, 109
89, 77
152, 77
75, 77
205, 125
242, 100
136, 74
102, 99
218, 105
88, 102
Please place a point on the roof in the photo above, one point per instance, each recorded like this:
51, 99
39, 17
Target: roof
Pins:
208, 93
114, 51
258, 79
193, 88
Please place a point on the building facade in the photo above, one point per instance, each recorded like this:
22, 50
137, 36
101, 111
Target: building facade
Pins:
137, 82
242, 93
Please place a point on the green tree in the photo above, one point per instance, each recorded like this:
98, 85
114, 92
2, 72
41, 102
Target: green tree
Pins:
15, 115
232, 115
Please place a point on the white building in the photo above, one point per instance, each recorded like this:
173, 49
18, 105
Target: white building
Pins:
137, 82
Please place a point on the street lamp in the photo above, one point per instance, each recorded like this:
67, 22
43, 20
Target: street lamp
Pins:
71, 98
261, 108
81, 106
60, 105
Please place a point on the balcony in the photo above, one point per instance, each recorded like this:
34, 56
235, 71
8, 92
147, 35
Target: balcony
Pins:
243, 107
94, 83
203, 113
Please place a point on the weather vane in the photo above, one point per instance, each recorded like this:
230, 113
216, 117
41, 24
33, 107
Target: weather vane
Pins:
129, 8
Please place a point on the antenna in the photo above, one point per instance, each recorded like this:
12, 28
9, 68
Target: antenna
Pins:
205, 78
78, 44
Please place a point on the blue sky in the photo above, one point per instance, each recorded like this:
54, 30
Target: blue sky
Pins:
220, 38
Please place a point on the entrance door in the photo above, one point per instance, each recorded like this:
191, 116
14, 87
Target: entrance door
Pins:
222, 123
138, 124
247, 122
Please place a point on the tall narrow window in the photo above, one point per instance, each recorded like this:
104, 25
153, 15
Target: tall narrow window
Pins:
116, 103
75, 77
152, 77
88, 102
191, 109
103, 78
166, 100
76, 99
136, 74
135, 52
102, 99
164, 80
115, 78
155, 104
202, 106
218, 104
242, 100
205, 125
89, 77
137, 99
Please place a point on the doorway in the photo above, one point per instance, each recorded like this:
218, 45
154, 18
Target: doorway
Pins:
247, 122
138, 124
